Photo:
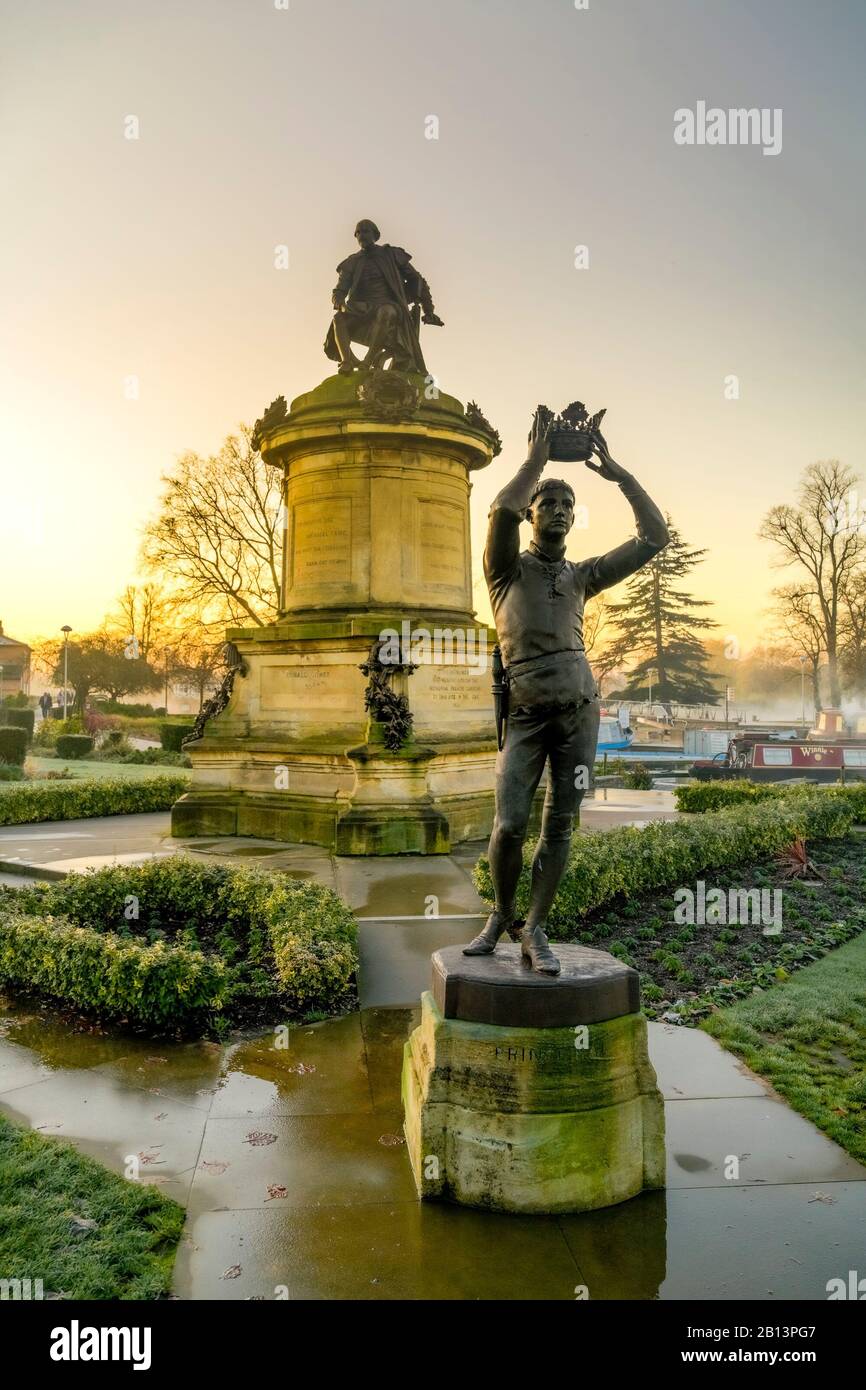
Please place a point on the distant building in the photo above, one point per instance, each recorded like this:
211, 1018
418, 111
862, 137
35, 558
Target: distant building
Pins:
14, 665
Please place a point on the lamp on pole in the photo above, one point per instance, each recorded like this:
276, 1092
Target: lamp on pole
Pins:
66, 629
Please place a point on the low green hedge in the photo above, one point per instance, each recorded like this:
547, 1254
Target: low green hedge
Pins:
130, 711
700, 797
74, 745
39, 801
314, 945
13, 744
159, 986
20, 719
604, 865
171, 736
280, 946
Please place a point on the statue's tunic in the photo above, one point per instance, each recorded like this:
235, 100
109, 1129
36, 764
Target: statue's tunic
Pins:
368, 279
538, 601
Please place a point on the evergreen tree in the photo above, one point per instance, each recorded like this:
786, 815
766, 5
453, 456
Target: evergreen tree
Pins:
657, 624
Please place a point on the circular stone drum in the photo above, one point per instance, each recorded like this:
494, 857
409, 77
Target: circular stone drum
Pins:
530, 1093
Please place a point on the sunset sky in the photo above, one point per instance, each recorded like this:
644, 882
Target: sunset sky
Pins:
262, 126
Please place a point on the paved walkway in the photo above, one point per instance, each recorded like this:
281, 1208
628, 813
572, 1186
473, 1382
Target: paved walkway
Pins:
80, 844
292, 1167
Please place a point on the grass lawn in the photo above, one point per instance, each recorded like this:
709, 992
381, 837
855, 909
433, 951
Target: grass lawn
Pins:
49, 1196
82, 770
809, 1039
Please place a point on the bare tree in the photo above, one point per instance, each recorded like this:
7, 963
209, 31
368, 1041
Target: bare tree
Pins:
199, 660
596, 618
799, 613
218, 535
853, 633
819, 536
145, 613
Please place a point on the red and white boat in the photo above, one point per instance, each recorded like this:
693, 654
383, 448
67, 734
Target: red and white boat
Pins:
829, 753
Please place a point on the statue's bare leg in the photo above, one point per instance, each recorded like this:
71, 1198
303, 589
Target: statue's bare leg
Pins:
518, 772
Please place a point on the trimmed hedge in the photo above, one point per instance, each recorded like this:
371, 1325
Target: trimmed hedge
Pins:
39, 801
290, 947
74, 745
314, 945
20, 718
700, 797
13, 744
604, 865
171, 736
130, 711
160, 986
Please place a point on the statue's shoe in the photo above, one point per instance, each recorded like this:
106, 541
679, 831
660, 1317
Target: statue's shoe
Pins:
484, 944
536, 949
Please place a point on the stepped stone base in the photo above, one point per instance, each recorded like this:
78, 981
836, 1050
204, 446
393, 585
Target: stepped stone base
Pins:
534, 1119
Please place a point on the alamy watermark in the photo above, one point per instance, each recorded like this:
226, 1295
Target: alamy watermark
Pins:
439, 646
736, 907
714, 125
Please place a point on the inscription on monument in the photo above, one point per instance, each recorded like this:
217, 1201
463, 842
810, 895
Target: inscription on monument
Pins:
442, 537
310, 688
458, 687
323, 541
517, 1054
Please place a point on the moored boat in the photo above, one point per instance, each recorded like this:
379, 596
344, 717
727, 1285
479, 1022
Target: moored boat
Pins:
829, 753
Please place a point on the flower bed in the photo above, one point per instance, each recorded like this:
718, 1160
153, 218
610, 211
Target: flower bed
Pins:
608, 864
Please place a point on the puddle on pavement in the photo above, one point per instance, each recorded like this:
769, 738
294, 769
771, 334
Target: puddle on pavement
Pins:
407, 892
302, 1180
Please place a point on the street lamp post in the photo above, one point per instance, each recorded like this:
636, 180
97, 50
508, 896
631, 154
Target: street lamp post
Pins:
66, 629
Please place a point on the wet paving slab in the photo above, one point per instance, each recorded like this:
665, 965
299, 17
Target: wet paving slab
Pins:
311, 1070
407, 886
770, 1142
287, 1149
151, 1138
381, 1251
394, 955
732, 1242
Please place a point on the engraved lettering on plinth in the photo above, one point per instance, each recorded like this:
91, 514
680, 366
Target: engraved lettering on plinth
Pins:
442, 544
456, 687
311, 689
322, 541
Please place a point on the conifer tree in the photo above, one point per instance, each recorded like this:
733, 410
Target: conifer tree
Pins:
657, 627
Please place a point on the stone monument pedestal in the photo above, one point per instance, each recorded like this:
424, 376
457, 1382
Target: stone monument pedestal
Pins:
376, 472
527, 1093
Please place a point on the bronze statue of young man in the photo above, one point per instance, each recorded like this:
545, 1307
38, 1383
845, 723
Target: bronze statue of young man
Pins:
373, 303
553, 706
